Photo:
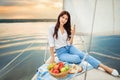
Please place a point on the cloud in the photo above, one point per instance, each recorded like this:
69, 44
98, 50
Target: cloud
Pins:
30, 8
16, 2
29, 2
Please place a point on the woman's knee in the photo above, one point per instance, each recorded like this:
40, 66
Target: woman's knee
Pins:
70, 58
75, 59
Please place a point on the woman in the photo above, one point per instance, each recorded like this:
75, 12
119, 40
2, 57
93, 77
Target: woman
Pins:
61, 38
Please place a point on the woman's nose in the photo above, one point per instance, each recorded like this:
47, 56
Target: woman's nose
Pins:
63, 19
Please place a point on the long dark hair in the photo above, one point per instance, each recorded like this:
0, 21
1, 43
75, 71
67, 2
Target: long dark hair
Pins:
67, 26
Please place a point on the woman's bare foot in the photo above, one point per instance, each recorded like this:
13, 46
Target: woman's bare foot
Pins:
109, 70
75, 68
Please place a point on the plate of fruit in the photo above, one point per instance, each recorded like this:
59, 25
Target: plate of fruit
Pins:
58, 70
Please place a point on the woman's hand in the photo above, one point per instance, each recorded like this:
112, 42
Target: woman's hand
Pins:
52, 59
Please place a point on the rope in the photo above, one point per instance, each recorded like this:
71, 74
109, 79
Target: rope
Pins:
91, 34
84, 58
113, 18
80, 65
83, 41
45, 56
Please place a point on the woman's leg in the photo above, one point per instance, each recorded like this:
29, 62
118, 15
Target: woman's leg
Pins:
93, 61
111, 71
106, 68
64, 55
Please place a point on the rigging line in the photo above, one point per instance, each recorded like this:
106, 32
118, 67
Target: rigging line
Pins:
63, 7
84, 48
16, 57
113, 17
81, 65
93, 20
90, 37
46, 51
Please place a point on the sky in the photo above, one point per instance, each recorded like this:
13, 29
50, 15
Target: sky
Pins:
42, 9
30, 9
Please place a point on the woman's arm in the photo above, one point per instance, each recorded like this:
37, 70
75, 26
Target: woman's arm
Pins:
72, 35
51, 44
52, 55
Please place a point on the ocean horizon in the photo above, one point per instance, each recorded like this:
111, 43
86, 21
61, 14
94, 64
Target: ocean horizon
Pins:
25, 20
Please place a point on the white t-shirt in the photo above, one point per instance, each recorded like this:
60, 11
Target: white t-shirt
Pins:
61, 41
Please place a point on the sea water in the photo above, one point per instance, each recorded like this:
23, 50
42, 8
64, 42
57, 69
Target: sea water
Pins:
22, 49
107, 50
23, 45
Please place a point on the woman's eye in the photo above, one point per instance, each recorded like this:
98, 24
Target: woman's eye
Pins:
64, 18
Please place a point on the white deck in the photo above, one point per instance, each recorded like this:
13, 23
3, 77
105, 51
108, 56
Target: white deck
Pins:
94, 74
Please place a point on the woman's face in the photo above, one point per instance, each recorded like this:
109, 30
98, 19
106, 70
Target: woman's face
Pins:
63, 19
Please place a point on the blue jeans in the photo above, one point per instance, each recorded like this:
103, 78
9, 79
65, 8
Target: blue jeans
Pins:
71, 54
